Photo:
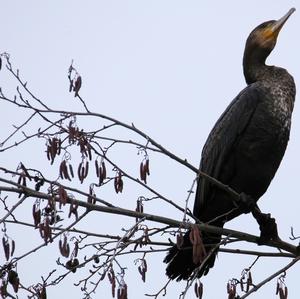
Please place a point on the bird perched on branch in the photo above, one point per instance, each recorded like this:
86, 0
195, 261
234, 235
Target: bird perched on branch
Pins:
243, 150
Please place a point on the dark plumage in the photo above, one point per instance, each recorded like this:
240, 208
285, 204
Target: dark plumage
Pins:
245, 147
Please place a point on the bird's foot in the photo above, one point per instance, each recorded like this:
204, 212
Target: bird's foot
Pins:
267, 226
246, 203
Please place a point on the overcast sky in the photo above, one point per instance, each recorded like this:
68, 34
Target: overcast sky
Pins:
171, 68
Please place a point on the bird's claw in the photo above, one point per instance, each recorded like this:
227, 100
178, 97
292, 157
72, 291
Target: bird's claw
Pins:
268, 228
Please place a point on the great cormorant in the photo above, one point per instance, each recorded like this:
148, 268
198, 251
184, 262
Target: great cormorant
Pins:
243, 150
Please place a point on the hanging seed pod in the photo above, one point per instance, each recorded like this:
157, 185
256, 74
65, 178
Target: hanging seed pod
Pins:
82, 174
71, 85
89, 149
121, 184
13, 279
6, 247
71, 170
65, 170
196, 289
13, 247
77, 85
63, 196
60, 246
41, 230
75, 250
200, 290
285, 292
103, 167
3, 289
48, 153
86, 169
59, 143
61, 173
0, 63
97, 168
116, 184
36, 213
142, 172
281, 293
79, 171
147, 169
277, 288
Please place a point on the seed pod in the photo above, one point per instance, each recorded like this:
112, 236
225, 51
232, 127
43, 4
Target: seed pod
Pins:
48, 153
63, 196
75, 250
79, 171
71, 85
241, 285
86, 169
59, 143
60, 246
89, 148
147, 169
97, 168
5, 247
77, 85
109, 277
3, 289
52, 149
13, 246
142, 172
250, 277
36, 213
196, 289
277, 288
61, 173
103, 170
228, 287
82, 174
41, 230
285, 292
0, 63
116, 184
120, 185
281, 294
64, 246
65, 170
200, 290
71, 170
13, 279
67, 250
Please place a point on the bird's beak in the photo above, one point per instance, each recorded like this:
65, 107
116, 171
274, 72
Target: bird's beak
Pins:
276, 27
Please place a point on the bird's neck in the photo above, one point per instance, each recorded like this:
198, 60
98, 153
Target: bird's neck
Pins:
254, 64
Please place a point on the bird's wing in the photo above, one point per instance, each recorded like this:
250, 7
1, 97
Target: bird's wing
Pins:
223, 137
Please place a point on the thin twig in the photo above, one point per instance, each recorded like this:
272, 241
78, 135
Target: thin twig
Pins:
274, 275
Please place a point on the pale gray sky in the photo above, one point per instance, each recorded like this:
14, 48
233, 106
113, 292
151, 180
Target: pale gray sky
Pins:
171, 68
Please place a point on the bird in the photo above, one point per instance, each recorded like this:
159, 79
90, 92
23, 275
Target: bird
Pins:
243, 151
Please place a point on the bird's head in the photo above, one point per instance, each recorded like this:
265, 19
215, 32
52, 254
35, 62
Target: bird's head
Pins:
265, 35
261, 42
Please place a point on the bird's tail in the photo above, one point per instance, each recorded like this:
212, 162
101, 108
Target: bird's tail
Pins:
181, 262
